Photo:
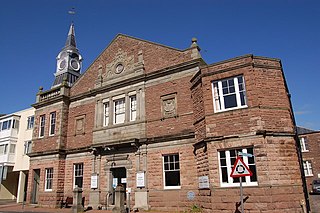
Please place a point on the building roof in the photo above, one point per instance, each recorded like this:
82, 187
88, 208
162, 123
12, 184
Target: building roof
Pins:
302, 130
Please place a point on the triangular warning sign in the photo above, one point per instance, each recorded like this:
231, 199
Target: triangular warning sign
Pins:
240, 169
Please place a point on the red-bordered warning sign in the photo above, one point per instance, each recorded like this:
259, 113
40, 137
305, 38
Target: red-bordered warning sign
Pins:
240, 169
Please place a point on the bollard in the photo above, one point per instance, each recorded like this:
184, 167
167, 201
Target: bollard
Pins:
119, 200
77, 200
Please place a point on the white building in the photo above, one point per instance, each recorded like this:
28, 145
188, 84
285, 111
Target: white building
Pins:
15, 144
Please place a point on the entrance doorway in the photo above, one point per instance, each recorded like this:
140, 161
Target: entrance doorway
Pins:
119, 176
35, 190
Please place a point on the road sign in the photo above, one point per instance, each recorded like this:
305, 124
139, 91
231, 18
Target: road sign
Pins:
240, 169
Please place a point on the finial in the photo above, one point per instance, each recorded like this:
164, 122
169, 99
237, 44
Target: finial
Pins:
40, 89
194, 42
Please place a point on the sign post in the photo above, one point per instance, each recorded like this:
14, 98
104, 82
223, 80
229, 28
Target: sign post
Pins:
240, 169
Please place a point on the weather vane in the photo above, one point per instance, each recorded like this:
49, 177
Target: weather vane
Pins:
72, 11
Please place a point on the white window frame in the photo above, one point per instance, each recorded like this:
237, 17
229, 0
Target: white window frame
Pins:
48, 179
307, 166
229, 167
77, 173
119, 111
12, 149
133, 107
170, 170
27, 147
4, 149
52, 127
42, 125
106, 112
304, 144
6, 125
30, 122
218, 96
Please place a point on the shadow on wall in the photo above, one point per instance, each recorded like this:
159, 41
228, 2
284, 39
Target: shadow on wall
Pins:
238, 204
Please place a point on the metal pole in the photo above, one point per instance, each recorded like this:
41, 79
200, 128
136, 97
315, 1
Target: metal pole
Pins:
241, 196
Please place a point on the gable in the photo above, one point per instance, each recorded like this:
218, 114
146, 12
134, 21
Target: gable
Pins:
127, 57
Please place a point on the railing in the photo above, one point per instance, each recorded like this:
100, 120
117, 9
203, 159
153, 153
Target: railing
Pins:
50, 94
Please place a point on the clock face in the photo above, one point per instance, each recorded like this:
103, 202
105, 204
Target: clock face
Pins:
119, 68
62, 64
75, 64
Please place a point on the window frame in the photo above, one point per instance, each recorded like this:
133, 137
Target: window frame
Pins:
78, 173
42, 124
5, 149
106, 113
304, 144
247, 179
133, 107
6, 125
52, 127
12, 148
219, 96
178, 186
307, 168
30, 122
122, 110
48, 181
27, 147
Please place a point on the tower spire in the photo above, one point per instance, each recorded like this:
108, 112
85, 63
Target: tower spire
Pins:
68, 61
71, 39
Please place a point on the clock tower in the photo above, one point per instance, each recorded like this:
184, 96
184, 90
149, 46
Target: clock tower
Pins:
69, 61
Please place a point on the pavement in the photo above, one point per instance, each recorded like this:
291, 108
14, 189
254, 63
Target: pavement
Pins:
12, 206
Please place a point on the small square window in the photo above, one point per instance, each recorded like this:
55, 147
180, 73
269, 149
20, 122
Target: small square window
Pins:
52, 123
304, 144
307, 166
30, 122
171, 171
229, 94
119, 111
48, 179
78, 175
227, 159
42, 125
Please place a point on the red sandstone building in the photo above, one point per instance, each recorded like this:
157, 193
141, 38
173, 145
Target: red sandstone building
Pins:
310, 148
168, 127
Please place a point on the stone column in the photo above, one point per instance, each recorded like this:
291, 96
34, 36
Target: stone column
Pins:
94, 199
119, 200
77, 200
21, 184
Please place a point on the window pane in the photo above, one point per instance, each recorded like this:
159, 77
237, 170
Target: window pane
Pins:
253, 170
243, 98
166, 166
224, 84
230, 101
166, 159
176, 165
224, 172
223, 162
222, 154
171, 167
172, 178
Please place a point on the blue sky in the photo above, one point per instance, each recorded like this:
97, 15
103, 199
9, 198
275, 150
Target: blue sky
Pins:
34, 31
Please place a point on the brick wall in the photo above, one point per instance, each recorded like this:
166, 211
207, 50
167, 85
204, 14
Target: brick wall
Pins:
87, 110
48, 142
157, 125
265, 87
313, 141
47, 198
155, 57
